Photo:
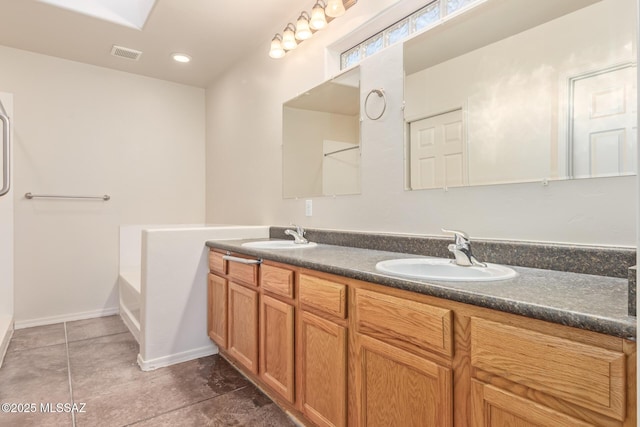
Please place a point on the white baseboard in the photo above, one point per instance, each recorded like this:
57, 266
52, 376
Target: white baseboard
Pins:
130, 322
6, 331
66, 318
172, 359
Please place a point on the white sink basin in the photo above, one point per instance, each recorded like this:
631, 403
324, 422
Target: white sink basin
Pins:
444, 270
278, 244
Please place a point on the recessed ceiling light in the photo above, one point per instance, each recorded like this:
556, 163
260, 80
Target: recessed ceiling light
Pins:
181, 57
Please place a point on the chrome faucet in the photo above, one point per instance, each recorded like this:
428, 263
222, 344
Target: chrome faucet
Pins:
298, 234
461, 249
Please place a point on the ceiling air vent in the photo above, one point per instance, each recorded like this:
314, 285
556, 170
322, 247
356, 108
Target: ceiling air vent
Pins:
125, 52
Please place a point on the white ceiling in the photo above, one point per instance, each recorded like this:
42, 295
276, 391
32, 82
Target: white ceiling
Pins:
214, 33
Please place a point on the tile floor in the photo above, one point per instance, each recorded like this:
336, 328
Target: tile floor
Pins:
90, 365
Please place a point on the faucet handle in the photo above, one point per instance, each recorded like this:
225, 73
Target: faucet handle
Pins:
460, 236
299, 229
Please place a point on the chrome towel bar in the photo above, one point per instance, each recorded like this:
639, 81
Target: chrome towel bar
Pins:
241, 260
57, 196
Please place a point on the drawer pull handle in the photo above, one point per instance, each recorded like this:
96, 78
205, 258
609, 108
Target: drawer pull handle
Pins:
241, 260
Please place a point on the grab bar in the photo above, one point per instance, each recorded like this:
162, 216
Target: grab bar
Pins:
241, 260
6, 155
56, 196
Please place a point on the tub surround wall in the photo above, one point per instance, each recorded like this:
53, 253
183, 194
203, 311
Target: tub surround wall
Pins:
170, 267
601, 261
6, 332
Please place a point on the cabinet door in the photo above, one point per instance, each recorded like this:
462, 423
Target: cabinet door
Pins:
397, 388
323, 370
217, 310
583, 374
243, 326
494, 407
276, 346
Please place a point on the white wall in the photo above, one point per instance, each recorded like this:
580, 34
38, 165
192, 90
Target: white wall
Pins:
6, 242
82, 129
244, 173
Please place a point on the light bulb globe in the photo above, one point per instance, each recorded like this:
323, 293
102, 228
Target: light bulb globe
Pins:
303, 32
276, 50
318, 19
334, 8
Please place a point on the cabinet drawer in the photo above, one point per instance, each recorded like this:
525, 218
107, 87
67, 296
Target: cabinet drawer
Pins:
243, 273
586, 375
276, 280
404, 323
216, 263
324, 295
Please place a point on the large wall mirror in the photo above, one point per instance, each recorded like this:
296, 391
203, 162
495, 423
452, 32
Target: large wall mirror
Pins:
523, 91
321, 139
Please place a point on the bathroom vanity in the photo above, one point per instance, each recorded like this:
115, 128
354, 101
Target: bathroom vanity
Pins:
336, 343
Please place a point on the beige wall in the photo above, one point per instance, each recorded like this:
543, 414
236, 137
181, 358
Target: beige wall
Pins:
81, 129
244, 178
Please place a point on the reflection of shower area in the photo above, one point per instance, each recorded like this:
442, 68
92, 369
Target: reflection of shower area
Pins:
603, 123
340, 168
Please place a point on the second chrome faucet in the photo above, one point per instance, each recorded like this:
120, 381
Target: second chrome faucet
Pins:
297, 234
461, 249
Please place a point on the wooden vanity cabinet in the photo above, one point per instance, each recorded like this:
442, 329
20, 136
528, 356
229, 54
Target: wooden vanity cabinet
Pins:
540, 378
243, 326
217, 299
496, 407
342, 352
400, 377
322, 350
277, 330
217, 312
233, 309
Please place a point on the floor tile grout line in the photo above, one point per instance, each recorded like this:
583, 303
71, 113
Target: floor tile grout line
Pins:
184, 406
98, 336
66, 342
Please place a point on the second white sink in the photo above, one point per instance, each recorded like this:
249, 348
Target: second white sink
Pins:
443, 269
278, 244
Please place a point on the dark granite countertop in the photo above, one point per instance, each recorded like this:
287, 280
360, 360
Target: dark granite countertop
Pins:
584, 301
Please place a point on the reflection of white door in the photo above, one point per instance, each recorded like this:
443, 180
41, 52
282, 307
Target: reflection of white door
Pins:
604, 123
438, 155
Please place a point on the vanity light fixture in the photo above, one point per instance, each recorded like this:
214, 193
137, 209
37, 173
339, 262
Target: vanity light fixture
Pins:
334, 8
181, 57
318, 21
289, 37
303, 32
276, 47
306, 25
